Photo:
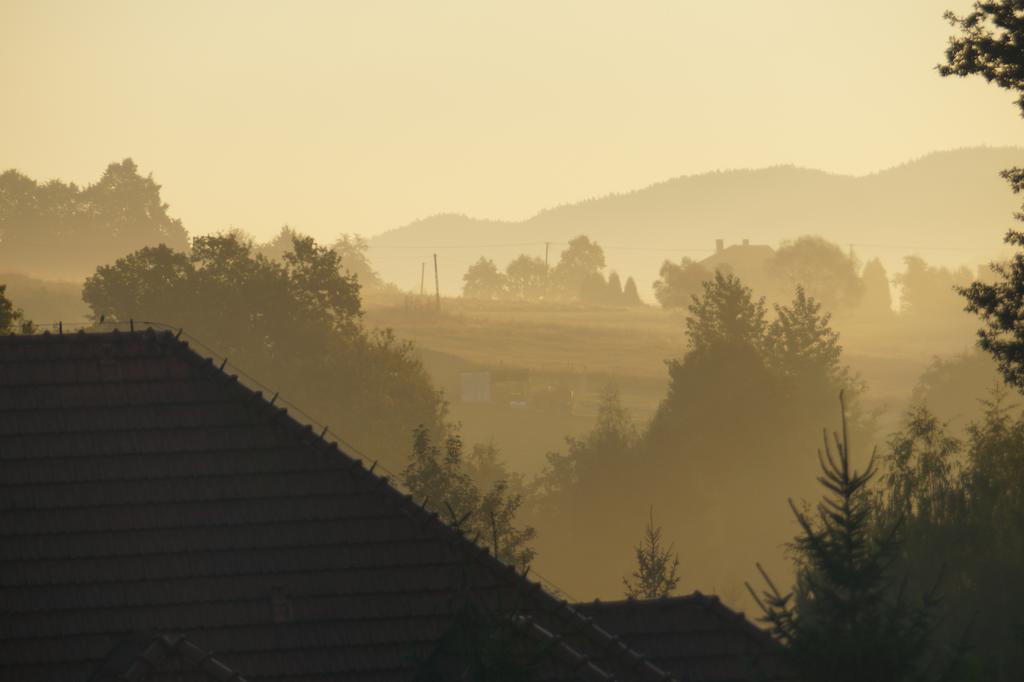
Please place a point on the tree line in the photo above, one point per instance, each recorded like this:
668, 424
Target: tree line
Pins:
834, 277
576, 277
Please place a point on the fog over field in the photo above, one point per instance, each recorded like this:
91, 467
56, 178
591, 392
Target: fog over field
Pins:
692, 308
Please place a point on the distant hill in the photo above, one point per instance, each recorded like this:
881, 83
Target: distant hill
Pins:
951, 202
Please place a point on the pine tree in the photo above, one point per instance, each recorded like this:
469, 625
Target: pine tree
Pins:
847, 619
630, 295
657, 572
726, 315
877, 298
614, 289
802, 346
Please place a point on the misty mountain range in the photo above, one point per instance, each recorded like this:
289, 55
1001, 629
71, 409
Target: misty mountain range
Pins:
950, 207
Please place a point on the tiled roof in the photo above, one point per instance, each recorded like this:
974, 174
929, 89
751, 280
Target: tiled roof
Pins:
694, 637
142, 489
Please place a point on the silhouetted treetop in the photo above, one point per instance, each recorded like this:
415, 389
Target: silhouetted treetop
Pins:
678, 283
821, 268
990, 43
726, 314
484, 280
11, 318
803, 347
579, 260
527, 278
296, 324
58, 229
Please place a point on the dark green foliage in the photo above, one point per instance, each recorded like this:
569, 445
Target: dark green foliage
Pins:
480, 646
678, 284
804, 350
1000, 305
962, 502
950, 387
579, 494
11, 318
726, 315
657, 566
848, 619
595, 460
295, 324
990, 43
444, 479
53, 229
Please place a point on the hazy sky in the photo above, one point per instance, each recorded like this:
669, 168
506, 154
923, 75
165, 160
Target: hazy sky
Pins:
361, 116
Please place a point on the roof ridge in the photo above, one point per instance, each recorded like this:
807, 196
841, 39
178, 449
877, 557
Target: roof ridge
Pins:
711, 603
162, 647
612, 644
575, 623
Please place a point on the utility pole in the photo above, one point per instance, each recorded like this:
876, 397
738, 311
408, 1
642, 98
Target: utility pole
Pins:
437, 284
423, 274
547, 270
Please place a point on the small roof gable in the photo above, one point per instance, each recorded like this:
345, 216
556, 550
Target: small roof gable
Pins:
694, 637
163, 658
142, 488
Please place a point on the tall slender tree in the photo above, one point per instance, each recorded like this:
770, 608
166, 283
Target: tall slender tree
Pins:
657, 566
847, 619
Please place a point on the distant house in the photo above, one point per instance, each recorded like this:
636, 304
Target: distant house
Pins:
747, 261
154, 509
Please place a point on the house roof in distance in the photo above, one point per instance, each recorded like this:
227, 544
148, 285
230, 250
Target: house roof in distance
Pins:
694, 637
143, 489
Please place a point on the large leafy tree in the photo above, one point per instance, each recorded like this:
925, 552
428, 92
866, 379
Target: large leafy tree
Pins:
59, 229
527, 278
581, 259
990, 43
929, 291
294, 324
962, 501
727, 314
442, 478
678, 283
821, 268
483, 280
803, 348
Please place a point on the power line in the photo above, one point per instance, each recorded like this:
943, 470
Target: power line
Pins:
674, 249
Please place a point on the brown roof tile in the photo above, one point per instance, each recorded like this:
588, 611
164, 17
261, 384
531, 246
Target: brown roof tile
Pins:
142, 489
694, 637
